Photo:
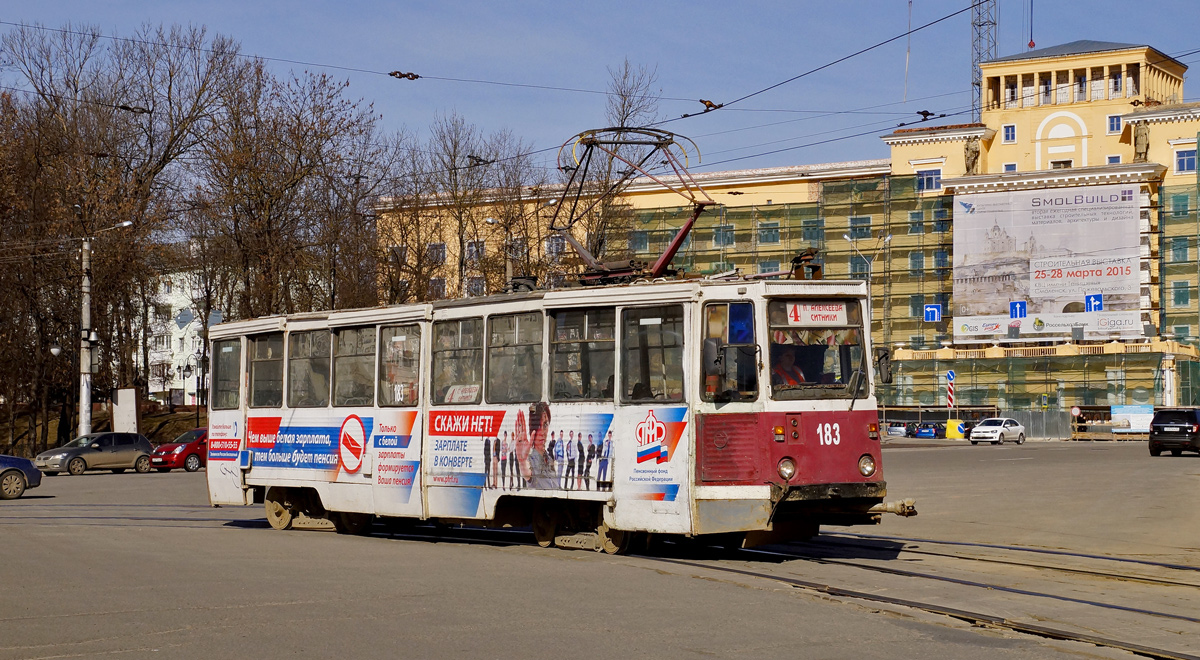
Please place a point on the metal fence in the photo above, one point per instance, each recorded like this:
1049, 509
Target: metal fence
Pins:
1051, 424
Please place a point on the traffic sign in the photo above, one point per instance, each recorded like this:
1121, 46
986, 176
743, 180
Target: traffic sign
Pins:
1094, 302
933, 313
949, 375
1017, 309
1075, 411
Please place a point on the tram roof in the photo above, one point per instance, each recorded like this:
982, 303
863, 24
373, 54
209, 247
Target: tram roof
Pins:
636, 292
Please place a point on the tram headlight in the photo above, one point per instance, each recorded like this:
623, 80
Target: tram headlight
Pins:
866, 465
787, 468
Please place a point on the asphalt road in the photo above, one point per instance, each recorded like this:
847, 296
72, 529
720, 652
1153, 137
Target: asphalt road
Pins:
139, 566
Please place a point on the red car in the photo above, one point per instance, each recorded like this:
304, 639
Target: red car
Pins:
189, 451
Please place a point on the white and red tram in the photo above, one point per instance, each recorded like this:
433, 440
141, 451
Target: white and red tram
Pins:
742, 408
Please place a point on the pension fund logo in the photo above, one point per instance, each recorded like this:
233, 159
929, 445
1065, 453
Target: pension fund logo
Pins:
649, 436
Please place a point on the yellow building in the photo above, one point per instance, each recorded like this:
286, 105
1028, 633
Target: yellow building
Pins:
1076, 119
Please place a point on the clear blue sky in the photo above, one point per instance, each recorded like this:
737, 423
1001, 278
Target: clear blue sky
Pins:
702, 49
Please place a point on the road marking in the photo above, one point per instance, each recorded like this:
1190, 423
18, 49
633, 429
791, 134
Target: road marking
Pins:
1027, 458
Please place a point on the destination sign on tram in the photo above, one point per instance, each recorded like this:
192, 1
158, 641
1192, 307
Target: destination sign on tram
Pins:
817, 315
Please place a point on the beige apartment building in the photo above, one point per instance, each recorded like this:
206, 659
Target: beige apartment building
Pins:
1074, 198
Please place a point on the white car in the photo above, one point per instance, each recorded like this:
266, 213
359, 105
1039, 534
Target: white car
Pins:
996, 430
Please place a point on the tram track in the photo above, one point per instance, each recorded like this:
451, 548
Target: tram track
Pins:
975, 618
719, 558
829, 543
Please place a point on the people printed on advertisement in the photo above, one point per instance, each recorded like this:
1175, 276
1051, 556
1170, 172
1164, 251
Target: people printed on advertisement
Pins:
530, 452
569, 483
603, 480
487, 463
529, 455
587, 470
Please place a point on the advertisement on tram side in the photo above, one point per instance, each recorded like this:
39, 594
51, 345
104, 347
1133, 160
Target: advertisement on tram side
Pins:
521, 448
338, 448
555, 448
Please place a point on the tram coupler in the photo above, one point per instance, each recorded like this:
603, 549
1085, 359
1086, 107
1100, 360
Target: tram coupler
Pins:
904, 508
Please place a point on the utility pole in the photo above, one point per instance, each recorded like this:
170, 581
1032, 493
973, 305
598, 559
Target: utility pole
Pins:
85, 344
984, 17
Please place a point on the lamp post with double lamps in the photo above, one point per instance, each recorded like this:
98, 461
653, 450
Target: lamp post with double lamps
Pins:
199, 359
88, 337
879, 245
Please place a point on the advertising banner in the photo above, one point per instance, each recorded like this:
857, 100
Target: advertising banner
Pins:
1131, 419
1071, 255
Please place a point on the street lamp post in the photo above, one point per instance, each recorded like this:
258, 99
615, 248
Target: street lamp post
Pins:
86, 336
187, 373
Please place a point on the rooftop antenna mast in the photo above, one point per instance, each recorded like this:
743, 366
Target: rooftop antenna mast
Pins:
644, 151
983, 49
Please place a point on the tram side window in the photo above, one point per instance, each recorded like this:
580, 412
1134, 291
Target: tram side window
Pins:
652, 354
266, 371
515, 358
730, 355
583, 354
399, 364
308, 369
815, 347
353, 366
227, 363
458, 361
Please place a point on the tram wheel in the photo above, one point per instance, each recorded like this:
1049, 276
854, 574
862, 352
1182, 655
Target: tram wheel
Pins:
350, 523
613, 541
543, 524
280, 508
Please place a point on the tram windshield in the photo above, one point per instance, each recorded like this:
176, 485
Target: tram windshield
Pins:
815, 348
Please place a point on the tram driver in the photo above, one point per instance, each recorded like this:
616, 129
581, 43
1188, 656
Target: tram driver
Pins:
785, 373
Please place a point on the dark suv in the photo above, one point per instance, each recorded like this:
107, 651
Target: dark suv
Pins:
1175, 429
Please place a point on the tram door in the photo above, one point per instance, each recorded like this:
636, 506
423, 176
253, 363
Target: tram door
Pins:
396, 439
652, 451
226, 424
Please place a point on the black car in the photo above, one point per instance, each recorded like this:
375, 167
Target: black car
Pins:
1175, 429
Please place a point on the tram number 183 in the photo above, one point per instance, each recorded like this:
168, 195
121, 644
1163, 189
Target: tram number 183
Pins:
829, 434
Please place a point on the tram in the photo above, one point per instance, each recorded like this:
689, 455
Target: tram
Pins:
741, 410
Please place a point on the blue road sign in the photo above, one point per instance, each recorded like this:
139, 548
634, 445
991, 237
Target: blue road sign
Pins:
1017, 309
950, 375
933, 313
1094, 302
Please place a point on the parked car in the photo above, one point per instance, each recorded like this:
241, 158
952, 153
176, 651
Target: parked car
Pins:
189, 451
997, 430
16, 476
114, 451
1176, 430
930, 430
897, 428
